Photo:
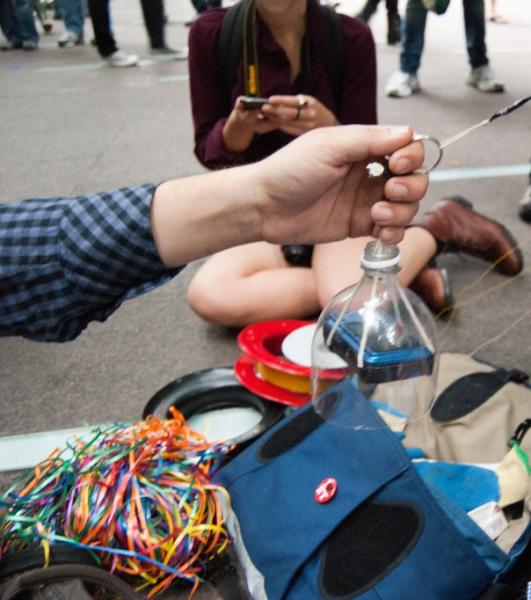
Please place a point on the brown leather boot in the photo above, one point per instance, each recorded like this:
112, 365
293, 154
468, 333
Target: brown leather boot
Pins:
457, 227
433, 286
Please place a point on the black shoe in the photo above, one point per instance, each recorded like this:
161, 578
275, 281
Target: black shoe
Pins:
181, 53
525, 206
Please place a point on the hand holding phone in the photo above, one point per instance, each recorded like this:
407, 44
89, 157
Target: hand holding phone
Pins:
253, 102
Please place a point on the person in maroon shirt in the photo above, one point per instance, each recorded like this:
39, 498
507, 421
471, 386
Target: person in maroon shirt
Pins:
255, 282
226, 137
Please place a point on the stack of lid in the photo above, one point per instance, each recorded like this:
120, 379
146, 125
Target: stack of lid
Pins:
276, 361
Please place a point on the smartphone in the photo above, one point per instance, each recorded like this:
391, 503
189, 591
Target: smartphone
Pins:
253, 102
382, 362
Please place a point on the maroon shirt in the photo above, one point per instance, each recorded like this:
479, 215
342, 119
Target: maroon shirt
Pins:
211, 107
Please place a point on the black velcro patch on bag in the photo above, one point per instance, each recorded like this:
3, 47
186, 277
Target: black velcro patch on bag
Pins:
366, 546
287, 437
471, 391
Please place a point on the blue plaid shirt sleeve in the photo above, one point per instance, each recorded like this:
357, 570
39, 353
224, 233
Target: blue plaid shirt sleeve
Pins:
65, 262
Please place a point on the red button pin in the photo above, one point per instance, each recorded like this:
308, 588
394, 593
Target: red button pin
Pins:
325, 491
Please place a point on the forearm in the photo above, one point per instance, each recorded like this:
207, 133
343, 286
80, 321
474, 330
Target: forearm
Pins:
197, 216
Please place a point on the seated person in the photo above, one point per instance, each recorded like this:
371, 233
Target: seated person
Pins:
264, 281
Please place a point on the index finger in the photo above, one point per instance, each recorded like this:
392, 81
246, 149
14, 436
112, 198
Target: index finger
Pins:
284, 101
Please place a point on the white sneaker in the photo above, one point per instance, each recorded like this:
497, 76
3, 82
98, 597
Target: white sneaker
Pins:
121, 59
69, 39
401, 85
484, 79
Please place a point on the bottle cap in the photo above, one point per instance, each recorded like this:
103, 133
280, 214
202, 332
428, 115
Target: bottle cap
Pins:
379, 256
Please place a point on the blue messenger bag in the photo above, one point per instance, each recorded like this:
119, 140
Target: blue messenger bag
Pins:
322, 511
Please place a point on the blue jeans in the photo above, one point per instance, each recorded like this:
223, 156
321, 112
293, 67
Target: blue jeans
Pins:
17, 21
73, 13
203, 5
414, 25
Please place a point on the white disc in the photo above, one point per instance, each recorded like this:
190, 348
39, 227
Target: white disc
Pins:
297, 347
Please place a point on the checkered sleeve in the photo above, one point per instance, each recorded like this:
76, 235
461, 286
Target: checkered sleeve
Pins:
67, 261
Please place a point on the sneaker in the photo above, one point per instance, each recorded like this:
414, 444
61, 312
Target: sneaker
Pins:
166, 51
28, 45
525, 206
484, 80
69, 39
120, 59
401, 85
5, 44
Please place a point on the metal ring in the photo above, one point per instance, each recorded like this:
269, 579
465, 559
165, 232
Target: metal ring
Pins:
303, 101
424, 137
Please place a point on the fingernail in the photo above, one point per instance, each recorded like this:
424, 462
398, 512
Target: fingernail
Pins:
400, 130
399, 190
404, 165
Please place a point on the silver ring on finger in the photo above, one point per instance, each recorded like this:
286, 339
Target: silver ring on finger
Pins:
303, 101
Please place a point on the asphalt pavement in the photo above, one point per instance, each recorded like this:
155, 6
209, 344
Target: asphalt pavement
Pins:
71, 125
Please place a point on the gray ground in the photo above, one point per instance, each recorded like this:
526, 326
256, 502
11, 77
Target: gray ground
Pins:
70, 125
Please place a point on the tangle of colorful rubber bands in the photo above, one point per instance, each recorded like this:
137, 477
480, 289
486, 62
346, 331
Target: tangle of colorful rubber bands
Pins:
138, 496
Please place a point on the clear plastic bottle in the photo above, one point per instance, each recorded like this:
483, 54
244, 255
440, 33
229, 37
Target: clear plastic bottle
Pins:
380, 337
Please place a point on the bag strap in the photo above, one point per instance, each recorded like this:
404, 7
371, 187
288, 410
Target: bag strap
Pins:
231, 41
333, 48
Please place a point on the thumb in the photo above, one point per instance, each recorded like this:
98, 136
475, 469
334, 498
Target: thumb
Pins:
351, 143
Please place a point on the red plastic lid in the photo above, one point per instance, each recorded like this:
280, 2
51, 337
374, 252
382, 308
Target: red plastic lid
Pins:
246, 374
263, 342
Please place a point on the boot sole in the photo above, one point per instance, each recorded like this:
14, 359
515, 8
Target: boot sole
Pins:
508, 235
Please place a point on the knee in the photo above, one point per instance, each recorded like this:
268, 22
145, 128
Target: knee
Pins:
209, 302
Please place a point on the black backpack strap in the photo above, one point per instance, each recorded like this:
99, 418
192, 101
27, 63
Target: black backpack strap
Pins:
230, 43
333, 48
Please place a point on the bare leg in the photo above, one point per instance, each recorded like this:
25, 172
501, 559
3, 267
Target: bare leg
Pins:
252, 283
337, 265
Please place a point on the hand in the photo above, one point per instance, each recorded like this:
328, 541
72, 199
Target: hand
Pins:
298, 114
242, 125
317, 189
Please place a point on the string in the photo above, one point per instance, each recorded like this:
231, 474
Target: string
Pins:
502, 333
365, 333
462, 134
416, 320
500, 113
475, 283
139, 497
